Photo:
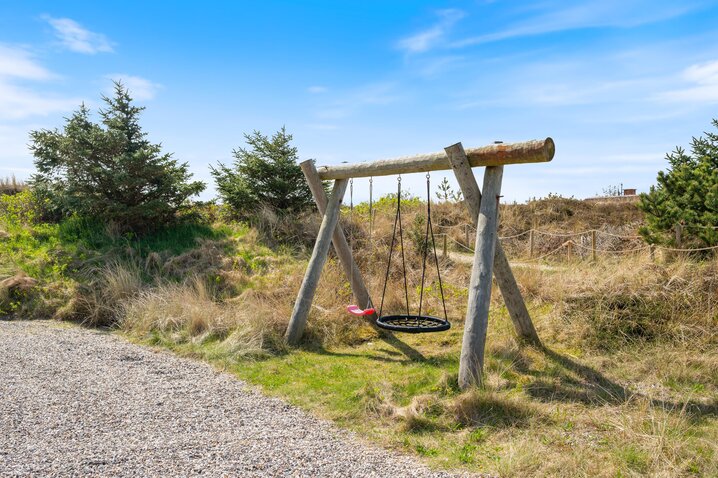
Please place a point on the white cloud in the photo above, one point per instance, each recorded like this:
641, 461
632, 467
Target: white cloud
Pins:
18, 101
78, 39
18, 63
316, 89
140, 89
428, 39
703, 80
556, 16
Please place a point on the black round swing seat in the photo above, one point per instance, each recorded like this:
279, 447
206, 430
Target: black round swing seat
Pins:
413, 324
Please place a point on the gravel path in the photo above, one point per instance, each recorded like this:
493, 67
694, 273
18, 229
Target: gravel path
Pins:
77, 402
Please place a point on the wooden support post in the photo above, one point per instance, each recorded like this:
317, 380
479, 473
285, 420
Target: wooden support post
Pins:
593, 245
446, 249
466, 236
316, 263
502, 269
568, 250
344, 252
471, 361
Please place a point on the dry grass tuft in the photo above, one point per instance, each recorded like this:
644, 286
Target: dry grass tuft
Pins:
99, 301
618, 302
11, 185
421, 413
189, 312
485, 408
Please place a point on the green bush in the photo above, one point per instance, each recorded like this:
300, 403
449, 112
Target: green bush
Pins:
20, 208
264, 176
109, 172
686, 194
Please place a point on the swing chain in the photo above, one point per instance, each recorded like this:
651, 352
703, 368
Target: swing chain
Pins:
351, 195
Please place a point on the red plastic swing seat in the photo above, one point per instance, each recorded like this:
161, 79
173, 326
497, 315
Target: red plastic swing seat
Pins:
355, 310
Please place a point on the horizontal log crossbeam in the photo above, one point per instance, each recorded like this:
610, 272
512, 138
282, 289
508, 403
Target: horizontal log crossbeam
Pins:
535, 151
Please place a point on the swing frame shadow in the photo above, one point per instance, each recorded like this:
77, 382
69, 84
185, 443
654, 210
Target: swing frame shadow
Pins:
489, 258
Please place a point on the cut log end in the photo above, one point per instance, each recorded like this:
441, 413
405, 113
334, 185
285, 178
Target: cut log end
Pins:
549, 148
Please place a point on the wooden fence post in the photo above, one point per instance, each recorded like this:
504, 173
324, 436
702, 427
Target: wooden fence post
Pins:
446, 250
471, 361
593, 245
502, 269
678, 229
531, 244
568, 250
466, 235
679, 235
303, 304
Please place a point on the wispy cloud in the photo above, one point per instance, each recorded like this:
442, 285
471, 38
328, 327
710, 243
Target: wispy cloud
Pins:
702, 86
17, 100
429, 38
322, 126
18, 63
551, 88
140, 88
75, 37
355, 100
316, 89
556, 16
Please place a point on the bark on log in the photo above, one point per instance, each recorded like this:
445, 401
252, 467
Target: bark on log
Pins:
471, 361
536, 151
502, 269
344, 252
303, 304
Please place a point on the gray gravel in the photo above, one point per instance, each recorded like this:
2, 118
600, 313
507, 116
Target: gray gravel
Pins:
77, 402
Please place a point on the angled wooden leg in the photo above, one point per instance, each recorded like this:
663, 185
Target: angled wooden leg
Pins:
477, 313
303, 304
502, 270
339, 239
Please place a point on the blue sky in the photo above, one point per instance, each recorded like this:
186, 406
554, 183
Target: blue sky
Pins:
617, 84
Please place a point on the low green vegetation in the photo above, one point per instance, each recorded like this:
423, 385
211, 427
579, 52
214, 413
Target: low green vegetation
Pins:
626, 384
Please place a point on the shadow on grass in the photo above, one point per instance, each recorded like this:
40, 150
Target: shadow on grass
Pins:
398, 352
571, 381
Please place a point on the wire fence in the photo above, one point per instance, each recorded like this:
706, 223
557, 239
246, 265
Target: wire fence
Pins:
535, 244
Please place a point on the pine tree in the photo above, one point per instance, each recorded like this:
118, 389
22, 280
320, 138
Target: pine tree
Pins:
264, 174
110, 171
446, 193
686, 194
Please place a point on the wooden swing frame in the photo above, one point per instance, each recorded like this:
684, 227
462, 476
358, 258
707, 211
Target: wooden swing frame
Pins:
489, 257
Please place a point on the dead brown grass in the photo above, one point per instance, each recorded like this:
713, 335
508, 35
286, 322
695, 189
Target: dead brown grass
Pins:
11, 185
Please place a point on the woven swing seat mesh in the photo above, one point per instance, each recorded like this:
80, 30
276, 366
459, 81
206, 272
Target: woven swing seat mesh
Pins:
413, 323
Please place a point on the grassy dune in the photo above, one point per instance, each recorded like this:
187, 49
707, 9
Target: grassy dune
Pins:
625, 385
